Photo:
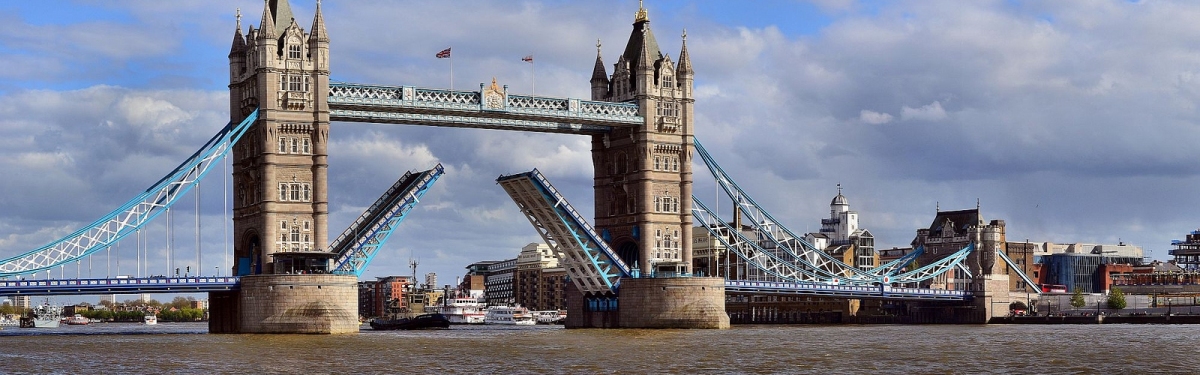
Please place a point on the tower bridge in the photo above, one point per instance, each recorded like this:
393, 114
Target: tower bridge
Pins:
630, 267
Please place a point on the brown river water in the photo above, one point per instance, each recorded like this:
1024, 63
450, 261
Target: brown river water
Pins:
185, 348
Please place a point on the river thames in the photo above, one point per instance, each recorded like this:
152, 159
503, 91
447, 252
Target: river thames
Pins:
796, 349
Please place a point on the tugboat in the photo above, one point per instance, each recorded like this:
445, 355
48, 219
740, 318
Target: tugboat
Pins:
424, 321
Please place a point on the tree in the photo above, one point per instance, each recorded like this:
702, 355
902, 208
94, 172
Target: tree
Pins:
1116, 299
1077, 298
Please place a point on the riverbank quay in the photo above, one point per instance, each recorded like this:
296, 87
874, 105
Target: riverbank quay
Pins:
1100, 319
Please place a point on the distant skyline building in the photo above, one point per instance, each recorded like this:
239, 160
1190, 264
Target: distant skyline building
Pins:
841, 236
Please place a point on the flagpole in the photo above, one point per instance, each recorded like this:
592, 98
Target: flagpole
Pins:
451, 72
534, 67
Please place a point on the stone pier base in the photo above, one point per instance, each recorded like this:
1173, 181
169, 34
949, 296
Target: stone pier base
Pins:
320, 304
687, 302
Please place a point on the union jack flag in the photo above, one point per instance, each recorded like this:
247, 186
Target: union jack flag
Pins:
444, 54
527, 59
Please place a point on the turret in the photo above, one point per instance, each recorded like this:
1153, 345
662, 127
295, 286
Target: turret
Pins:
684, 73
600, 82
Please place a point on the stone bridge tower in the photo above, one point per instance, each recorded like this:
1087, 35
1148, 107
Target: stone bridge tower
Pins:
280, 165
643, 175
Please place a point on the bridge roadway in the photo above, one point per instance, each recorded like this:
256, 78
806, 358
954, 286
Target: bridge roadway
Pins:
224, 283
844, 291
53, 287
484, 109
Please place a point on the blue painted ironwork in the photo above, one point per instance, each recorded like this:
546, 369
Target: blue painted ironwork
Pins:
881, 291
1013, 266
771, 230
748, 250
130, 216
591, 264
359, 244
118, 286
437, 107
890, 269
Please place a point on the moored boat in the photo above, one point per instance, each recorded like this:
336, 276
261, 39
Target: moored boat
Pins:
424, 321
78, 320
550, 316
461, 310
509, 315
43, 316
150, 319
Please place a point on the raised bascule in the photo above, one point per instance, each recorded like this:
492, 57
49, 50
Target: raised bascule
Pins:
633, 268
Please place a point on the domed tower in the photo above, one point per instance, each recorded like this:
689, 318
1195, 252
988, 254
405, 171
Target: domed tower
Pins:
841, 222
280, 165
643, 174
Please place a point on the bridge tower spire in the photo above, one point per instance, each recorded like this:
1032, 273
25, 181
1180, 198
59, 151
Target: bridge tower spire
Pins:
280, 165
643, 176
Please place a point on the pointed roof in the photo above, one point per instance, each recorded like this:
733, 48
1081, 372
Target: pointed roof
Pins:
266, 27
317, 32
598, 72
685, 61
281, 12
641, 42
239, 41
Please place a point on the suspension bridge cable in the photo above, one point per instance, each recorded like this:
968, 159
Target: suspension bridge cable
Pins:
199, 262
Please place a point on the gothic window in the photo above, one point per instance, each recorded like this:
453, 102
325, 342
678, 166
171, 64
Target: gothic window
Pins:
294, 51
668, 109
295, 146
668, 81
295, 192
307, 198
656, 163
295, 234
282, 145
306, 225
307, 146
294, 83
283, 224
283, 195
306, 83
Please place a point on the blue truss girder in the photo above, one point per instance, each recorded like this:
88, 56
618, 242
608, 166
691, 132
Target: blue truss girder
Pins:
881, 291
935, 269
361, 241
891, 268
132, 215
1013, 266
749, 250
438, 107
590, 263
54, 287
771, 230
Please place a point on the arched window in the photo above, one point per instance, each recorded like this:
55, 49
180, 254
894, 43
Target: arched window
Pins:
295, 234
307, 146
282, 145
295, 146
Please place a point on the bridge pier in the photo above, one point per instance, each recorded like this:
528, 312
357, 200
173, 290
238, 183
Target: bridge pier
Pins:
678, 302
317, 304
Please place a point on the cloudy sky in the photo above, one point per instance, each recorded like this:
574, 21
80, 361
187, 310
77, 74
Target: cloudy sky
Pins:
1071, 121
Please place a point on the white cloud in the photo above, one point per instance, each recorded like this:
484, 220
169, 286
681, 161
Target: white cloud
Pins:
874, 118
929, 112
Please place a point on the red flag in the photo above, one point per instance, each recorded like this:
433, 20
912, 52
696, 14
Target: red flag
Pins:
444, 54
527, 59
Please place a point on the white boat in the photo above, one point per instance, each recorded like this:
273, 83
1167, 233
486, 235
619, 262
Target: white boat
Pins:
509, 315
549, 316
78, 320
7, 322
150, 319
43, 316
461, 310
